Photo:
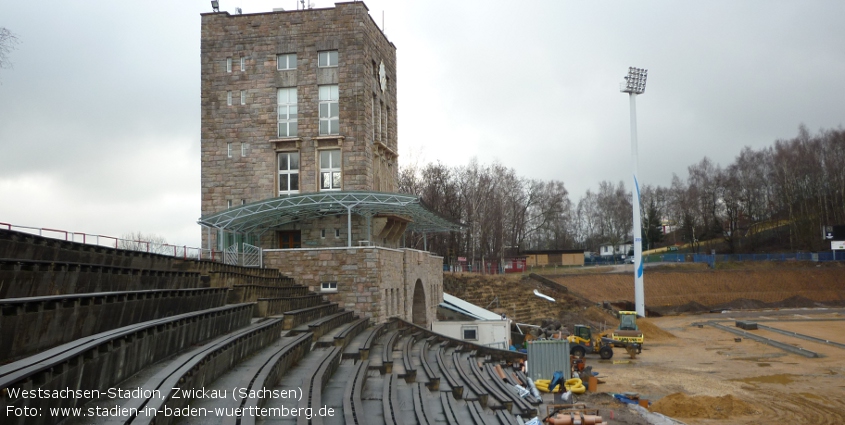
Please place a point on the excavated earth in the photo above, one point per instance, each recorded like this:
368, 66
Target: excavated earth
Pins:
701, 375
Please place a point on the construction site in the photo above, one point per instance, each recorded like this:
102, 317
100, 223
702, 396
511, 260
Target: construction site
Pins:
698, 365
318, 294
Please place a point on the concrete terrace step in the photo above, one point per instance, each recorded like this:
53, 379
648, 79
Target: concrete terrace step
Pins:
34, 278
28, 325
115, 355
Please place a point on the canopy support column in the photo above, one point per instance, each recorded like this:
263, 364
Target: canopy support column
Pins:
349, 225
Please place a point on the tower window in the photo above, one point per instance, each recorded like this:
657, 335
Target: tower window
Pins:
327, 59
285, 62
330, 176
288, 173
287, 112
329, 110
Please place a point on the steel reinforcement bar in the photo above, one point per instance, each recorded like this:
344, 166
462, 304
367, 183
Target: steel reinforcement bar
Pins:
802, 336
786, 347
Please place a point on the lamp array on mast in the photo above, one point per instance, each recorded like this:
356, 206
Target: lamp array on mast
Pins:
635, 81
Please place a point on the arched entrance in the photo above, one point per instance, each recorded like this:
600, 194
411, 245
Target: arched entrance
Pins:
418, 309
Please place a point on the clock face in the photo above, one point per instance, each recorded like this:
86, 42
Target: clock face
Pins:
382, 77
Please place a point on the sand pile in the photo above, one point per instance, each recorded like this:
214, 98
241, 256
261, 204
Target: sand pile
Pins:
679, 405
651, 332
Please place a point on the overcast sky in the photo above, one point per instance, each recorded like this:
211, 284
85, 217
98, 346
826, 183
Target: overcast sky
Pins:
100, 116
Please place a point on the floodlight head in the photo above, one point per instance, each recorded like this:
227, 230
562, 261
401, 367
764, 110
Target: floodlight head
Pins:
635, 81
215, 5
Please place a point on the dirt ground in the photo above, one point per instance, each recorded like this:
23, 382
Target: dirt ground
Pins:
703, 376
672, 291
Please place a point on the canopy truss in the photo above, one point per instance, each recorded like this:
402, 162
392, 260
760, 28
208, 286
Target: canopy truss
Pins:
259, 217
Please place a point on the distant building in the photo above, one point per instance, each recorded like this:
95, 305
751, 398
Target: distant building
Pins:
462, 320
609, 250
555, 257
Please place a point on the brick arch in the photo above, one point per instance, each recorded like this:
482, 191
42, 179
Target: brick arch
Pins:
418, 306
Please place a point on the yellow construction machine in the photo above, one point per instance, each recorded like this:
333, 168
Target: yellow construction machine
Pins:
628, 332
582, 342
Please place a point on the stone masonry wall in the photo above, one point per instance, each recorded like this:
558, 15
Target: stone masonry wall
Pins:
374, 282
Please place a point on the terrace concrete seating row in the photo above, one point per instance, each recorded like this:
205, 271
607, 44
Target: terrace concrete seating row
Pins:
103, 360
20, 245
295, 318
421, 407
471, 383
410, 374
390, 403
228, 279
200, 366
387, 351
28, 325
417, 402
371, 336
274, 306
324, 324
313, 388
251, 293
433, 378
32, 278
209, 268
15, 244
343, 337
277, 364
353, 408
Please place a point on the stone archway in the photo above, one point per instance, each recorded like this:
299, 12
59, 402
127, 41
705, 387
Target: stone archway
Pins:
418, 309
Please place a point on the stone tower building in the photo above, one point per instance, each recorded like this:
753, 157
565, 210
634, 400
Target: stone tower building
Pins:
297, 102
299, 158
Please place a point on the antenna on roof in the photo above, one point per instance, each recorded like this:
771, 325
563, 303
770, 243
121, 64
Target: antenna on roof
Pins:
239, 11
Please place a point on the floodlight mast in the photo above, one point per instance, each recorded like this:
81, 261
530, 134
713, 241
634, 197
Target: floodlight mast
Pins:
634, 85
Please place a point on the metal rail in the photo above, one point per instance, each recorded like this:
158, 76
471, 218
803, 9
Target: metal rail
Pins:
764, 340
802, 336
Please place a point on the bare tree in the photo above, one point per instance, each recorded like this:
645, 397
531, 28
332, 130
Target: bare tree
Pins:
8, 41
138, 241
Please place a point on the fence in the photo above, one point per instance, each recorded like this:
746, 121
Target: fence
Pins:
724, 258
184, 251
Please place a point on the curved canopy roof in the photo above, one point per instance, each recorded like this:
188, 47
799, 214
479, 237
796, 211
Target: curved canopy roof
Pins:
258, 217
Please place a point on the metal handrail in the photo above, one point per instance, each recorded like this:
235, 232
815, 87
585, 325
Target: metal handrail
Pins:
183, 251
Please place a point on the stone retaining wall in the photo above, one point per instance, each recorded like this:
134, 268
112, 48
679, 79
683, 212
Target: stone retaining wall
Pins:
374, 282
